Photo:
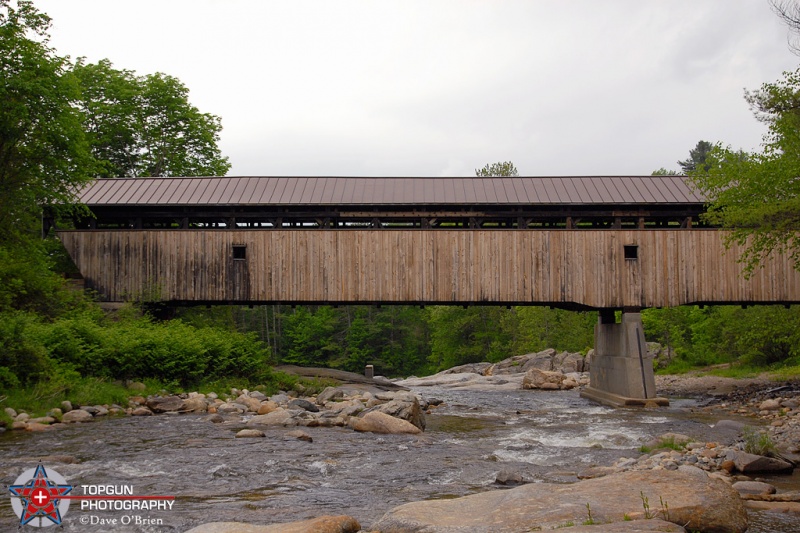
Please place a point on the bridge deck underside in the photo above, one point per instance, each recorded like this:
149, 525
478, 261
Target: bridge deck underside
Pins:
570, 268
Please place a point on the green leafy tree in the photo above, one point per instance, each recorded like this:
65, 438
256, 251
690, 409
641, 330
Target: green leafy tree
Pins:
697, 158
664, 172
43, 151
146, 126
501, 168
757, 195
312, 334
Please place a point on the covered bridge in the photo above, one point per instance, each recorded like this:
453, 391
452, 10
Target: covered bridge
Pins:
606, 243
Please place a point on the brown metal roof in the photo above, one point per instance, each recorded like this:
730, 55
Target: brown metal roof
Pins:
322, 191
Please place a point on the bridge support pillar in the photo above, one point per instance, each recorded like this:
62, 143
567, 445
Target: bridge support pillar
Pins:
621, 373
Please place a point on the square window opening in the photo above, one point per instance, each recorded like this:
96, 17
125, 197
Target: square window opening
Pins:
239, 252
631, 251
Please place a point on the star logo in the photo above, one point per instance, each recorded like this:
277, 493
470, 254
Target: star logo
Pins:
35, 494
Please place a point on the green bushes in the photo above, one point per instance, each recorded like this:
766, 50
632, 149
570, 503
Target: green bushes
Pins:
132, 348
765, 336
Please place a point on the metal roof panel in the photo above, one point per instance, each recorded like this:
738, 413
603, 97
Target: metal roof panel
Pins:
288, 191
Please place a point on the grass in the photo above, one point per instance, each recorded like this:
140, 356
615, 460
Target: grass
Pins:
665, 443
777, 372
757, 442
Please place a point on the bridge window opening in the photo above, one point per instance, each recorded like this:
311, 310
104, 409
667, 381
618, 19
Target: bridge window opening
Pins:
239, 252
631, 251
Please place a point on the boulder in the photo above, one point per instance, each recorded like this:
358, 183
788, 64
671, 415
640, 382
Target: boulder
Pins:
252, 404
77, 415
249, 433
278, 417
403, 405
754, 487
330, 394
229, 407
470, 368
139, 411
266, 407
165, 404
195, 404
299, 434
36, 426
137, 386
769, 405
630, 526
542, 379
299, 403
379, 422
748, 463
323, 524
507, 477
66, 406
707, 505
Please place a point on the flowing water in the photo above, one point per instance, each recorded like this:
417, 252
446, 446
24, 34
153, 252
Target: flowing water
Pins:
544, 436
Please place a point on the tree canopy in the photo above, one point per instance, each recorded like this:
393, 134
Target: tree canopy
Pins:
697, 157
757, 195
145, 125
501, 168
664, 172
43, 150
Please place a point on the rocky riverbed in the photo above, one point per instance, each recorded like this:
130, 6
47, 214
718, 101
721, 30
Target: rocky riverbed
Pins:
472, 435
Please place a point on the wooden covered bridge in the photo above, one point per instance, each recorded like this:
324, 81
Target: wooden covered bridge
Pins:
606, 243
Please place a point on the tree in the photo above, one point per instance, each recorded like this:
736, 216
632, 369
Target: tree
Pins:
789, 12
501, 168
664, 172
145, 125
43, 152
757, 195
697, 157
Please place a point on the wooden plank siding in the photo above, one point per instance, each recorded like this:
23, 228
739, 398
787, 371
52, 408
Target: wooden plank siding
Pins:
557, 267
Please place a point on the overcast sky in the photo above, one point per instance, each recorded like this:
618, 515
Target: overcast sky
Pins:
439, 88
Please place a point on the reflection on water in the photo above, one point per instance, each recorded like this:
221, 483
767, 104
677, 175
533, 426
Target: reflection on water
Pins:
277, 479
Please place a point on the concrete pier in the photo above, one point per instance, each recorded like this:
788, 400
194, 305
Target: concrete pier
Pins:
621, 373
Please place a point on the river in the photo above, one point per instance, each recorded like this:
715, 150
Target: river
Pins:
544, 436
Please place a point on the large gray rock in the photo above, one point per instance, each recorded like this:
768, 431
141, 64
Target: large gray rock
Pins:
378, 422
232, 407
300, 403
278, 417
754, 487
252, 404
323, 524
403, 405
195, 404
78, 415
707, 505
543, 379
249, 434
469, 368
165, 404
748, 463
632, 526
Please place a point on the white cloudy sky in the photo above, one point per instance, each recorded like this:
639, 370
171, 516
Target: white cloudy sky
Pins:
441, 87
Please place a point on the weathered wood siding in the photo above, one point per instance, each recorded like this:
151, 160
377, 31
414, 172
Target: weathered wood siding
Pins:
582, 267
